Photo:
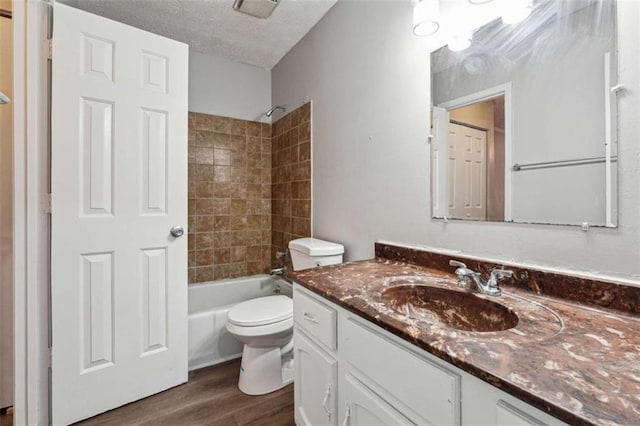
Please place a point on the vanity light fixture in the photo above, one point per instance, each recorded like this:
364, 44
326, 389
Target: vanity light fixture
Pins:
426, 17
514, 11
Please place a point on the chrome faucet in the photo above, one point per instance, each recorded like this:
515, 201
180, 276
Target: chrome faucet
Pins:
278, 271
489, 287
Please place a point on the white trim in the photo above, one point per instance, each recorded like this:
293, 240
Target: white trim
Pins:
31, 233
483, 95
19, 213
607, 140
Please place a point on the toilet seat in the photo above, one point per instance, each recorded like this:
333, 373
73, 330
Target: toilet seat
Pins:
261, 311
261, 316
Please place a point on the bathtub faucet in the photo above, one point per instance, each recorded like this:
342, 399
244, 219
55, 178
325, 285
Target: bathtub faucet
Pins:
278, 271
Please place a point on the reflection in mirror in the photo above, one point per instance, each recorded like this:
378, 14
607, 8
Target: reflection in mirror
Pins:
524, 120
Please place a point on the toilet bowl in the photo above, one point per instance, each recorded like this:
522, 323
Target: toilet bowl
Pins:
265, 326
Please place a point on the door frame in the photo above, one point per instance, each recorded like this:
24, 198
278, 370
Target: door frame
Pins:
31, 221
483, 95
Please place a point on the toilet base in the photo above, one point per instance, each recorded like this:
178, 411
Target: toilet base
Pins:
264, 370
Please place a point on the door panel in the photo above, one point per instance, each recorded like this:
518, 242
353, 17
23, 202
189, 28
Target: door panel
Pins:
467, 172
316, 384
365, 408
119, 290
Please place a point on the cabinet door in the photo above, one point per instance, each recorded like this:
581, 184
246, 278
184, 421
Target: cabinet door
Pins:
315, 384
508, 415
365, 408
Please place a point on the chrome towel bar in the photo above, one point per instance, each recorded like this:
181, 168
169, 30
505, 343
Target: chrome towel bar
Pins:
560, 163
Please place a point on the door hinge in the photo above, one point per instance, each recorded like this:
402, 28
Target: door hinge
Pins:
49, 48
50, 360
46, 203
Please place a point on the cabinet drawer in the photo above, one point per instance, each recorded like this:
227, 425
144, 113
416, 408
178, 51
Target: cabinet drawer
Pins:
316, 318
409, 382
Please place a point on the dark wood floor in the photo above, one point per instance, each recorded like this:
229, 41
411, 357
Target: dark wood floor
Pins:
6, 419
211, 397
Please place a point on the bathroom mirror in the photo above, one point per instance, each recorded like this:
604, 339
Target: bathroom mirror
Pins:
524, 121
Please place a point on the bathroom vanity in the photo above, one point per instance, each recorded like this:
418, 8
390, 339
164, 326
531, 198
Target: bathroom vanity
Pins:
366, 353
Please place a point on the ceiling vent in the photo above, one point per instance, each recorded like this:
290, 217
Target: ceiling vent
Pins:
258, 8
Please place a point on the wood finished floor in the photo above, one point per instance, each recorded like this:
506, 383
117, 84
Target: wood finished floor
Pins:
211, 397
7, 418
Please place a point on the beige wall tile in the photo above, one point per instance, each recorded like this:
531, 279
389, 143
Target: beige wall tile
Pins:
290, 148
235, 168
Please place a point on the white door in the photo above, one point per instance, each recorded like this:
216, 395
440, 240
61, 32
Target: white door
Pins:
467, 170
316, 384
119, 182
439, 161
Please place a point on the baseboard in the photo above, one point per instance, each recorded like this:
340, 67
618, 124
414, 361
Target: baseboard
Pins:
198, 365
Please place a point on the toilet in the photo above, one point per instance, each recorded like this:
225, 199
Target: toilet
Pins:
265, 325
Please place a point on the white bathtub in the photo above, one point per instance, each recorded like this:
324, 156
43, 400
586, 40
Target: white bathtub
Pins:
209, 341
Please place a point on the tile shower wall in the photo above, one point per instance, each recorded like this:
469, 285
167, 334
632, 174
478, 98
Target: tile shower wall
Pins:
229, 197
291, 168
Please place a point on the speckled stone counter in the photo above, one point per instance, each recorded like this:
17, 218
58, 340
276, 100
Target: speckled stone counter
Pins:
575, 362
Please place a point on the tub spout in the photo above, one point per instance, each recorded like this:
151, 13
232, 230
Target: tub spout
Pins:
278, 271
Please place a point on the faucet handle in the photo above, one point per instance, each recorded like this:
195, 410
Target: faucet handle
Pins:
457, 263
499, 273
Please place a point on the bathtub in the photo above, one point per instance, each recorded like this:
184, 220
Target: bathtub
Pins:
209, 341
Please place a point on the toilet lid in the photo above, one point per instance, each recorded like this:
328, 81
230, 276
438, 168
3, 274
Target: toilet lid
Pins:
261, 311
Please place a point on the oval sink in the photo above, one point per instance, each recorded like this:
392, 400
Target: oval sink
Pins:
456, 309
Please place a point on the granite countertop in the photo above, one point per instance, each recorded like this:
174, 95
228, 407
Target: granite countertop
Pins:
577, 363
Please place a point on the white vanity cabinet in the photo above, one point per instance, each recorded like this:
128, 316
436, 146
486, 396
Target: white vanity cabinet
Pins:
357, 374
316, 383
364, 407
316, 366
484, 404
422, 391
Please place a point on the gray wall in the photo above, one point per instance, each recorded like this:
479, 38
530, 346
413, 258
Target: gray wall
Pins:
368, 77
218, 86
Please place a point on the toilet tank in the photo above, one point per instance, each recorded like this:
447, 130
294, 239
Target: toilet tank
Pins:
310, 252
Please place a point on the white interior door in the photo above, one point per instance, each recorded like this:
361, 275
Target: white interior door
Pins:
439, 161
119, 182
467, 182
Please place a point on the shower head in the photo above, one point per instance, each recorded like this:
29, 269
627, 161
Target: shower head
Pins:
282, 107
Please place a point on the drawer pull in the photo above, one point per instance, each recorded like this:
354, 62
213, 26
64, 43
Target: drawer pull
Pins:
309, 317
327, 395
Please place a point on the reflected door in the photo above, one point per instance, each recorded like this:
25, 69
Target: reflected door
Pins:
119, 182
467, 172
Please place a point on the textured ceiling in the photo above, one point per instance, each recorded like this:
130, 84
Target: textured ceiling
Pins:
213, 27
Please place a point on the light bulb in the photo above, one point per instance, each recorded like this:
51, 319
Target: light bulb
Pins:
514, 11
426, 16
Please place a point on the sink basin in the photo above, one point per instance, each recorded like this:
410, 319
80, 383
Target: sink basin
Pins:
455, 309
